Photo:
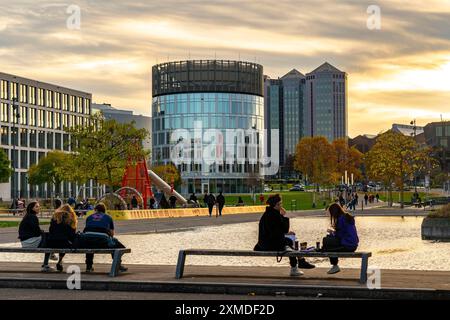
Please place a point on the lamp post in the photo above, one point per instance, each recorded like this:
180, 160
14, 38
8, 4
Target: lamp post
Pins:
16, 117
413, 123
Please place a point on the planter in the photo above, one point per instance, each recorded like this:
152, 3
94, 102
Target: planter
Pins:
436, 229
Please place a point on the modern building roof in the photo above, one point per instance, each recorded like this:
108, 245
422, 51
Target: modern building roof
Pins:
294, 73
325, 67
406, 129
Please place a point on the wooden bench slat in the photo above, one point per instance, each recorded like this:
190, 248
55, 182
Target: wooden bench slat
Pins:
218, 252
66, 250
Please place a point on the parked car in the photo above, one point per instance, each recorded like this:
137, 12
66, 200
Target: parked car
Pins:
297, 188
267, 189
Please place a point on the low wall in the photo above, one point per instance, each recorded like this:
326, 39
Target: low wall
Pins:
180, 212
436, 229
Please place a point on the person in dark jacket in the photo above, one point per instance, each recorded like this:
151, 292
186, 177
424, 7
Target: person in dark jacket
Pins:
62, 234
273, 227
30, 234
210, 201
342, 233
221, 202
97, 234
173, 201
134, 203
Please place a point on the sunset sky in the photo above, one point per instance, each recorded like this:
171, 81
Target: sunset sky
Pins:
396, 74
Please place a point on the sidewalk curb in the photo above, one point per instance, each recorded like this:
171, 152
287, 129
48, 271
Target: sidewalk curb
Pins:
232, 288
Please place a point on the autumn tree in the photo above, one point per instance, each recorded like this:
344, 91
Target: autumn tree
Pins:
315, 157
393, 159
168, 172
347, 159
103, 149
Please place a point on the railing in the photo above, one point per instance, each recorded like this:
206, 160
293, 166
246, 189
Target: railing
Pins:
44, 213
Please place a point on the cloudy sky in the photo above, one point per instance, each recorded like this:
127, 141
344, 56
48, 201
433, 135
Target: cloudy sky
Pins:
396, 74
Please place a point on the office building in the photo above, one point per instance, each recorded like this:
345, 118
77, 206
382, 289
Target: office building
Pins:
215, 94
33, 116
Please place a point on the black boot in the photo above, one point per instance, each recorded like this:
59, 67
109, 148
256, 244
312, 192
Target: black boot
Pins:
303, 264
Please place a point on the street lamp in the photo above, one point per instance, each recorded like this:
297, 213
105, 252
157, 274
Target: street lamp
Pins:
413, 134
16, 117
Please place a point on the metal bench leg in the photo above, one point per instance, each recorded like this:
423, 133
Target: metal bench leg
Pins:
117, 260
180, 264
364, 265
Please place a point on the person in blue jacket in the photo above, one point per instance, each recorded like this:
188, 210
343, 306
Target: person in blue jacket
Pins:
343, 236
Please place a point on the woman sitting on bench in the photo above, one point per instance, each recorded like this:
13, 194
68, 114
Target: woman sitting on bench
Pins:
342, 235
273, 227
62, 234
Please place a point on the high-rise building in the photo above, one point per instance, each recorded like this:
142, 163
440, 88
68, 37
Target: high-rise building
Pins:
33, 116
325, 109
437, 135
284, 111
196, 96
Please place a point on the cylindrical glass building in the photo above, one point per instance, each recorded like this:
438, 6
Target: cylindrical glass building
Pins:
215, 94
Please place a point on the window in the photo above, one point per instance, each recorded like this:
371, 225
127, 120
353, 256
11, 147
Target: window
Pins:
58, 120
58, 141
41, 97
33, 117
57, 100
23, 93
65, 120
79, 105
439, 131
33, 138
14, 90
444, 143
23, 115
4, 89
33, 159
87, 106
49, 99
72, 103
50, 140
66, 142
41, 118
49, 122
24, 137
4, 114
5, 135
23, 159
41, 136
31, 95
65, 102
15, 136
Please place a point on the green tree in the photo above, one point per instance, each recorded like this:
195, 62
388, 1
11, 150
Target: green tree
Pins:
103, 148
168, 173
50, 169
5, 167
394, 159
315, 157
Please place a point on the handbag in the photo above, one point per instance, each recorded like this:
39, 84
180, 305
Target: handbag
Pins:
330, 242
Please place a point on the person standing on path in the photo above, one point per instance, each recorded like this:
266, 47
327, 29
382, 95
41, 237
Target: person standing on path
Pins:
210, 201
366, 198
220, 202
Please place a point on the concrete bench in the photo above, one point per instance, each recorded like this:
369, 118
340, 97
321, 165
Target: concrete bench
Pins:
117, 258
364, 256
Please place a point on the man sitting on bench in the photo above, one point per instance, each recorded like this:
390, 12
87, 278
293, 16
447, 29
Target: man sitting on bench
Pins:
272, 229
98, 234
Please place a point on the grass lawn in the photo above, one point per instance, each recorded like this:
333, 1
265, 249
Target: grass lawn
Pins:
9, 224
303, 200
407, 195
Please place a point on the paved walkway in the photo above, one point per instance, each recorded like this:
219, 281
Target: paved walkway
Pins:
236, 280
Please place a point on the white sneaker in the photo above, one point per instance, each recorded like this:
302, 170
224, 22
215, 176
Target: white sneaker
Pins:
47, 269
334, 269
295, 272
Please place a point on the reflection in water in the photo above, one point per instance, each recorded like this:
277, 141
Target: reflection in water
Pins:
394, 241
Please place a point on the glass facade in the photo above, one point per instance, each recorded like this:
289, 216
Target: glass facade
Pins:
222, 111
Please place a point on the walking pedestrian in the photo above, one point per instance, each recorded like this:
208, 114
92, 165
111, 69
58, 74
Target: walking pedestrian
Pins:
220, 202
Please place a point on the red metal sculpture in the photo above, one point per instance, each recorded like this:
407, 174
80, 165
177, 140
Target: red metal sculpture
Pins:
136, 176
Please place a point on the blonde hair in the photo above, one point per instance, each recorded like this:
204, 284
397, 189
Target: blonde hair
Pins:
67, 215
